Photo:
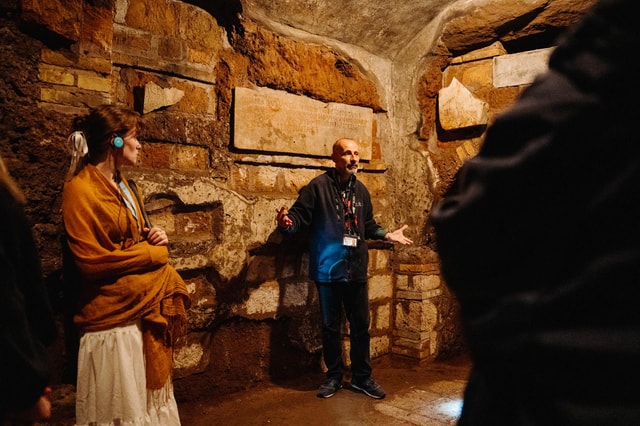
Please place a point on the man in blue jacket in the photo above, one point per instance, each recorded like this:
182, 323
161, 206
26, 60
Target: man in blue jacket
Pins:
337, 210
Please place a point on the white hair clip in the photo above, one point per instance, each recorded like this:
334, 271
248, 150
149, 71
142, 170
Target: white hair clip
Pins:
77, 147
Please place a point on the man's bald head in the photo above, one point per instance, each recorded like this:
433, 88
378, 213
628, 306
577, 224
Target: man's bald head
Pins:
346, 155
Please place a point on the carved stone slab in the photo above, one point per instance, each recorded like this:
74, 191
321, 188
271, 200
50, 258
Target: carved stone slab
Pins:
279, 122
520, 68
459, 108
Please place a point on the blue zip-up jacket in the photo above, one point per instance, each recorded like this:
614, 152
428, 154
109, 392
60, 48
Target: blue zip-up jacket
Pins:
319, 208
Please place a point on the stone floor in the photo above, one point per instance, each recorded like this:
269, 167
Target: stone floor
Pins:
418, 393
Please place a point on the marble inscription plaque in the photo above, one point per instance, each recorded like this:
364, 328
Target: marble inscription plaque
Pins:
520, 68
279, 122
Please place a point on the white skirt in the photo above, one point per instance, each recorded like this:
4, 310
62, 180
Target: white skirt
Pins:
111, 387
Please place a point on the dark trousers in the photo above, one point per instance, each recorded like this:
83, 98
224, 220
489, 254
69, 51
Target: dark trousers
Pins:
354, 297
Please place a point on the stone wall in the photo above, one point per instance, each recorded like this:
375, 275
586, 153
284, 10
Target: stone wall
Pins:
172, 61
254, 311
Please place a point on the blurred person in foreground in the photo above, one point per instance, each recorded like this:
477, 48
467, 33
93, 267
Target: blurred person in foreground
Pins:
132, 303
27, 325
336, 208
540, 241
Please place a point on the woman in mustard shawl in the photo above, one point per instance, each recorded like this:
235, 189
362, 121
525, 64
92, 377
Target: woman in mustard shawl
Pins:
132, 303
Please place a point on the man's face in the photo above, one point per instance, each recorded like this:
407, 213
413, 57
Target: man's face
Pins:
346, 156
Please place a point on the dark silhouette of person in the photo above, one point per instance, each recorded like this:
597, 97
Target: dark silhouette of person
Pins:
27, 326
539, 239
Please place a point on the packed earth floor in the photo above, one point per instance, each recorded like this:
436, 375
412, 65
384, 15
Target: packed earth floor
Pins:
418, 393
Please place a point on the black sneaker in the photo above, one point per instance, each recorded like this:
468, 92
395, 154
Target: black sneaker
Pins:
329, 387
370, 388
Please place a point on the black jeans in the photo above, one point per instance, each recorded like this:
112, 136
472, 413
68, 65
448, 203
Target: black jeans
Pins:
354, 296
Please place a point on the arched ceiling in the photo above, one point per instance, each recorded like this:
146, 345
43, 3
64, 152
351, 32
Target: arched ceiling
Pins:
382, 28
386, 29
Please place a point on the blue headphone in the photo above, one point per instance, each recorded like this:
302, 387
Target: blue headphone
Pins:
118, 142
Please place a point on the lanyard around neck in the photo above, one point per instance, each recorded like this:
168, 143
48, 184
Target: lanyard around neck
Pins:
348, 198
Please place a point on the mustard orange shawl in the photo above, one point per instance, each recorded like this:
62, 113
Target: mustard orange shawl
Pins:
124, 278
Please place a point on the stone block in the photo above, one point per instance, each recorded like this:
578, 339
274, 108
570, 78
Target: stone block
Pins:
202, 57
203, 302
54, 57
376, 184
425, 282
290, 267
411, 343
156, 97
171, 49
174, 157
199, 98
95, 63
144, 50
379, 346
380, 287
190, 263
475, 76
458, 108
199, 28
295, 295
155, 17
56, 75
382, 317
93, 81
263, 302
382, 260
283, 159
133, 43
71, 96
192, 255
161, 217
520, 68
415, 316
194, 224
418, 294
495, 49
265, 179
413, 349
426, 268
411, 335
270, 179
279, 122
260, 269
193, 356
149, 59
62, 17
402, 282
417, 282
96, 38
262, 220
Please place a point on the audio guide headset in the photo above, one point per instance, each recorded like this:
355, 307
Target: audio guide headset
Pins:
117, 141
